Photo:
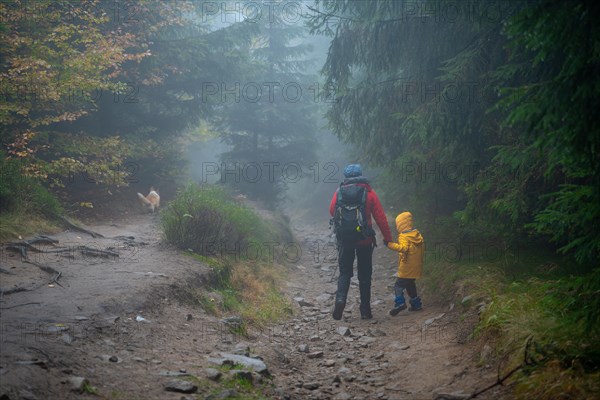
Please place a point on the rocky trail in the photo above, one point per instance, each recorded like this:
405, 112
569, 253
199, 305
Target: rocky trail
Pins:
118, 327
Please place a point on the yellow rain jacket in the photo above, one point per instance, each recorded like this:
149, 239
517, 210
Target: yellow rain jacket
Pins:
411, 247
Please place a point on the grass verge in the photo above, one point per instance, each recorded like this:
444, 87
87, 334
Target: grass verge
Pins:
538, 314
231, 239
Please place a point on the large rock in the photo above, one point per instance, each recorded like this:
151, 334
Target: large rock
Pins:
213, 374
250, 363
177, 385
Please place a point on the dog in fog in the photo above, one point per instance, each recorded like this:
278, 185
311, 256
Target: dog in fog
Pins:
151, 201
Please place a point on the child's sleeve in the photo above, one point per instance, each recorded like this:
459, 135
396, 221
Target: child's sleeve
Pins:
401, 246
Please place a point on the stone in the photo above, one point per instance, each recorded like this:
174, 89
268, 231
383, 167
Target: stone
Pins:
250, 363
213, 374
367, 340
240, 374
173, 374
233, 321
78, 383
303, 348
179, 386
113, 359
242, 349
322, 298
303, 303
343, 396
65, 337
376, 332
343, 330
315, 354
432, 320
329, 363
310, 385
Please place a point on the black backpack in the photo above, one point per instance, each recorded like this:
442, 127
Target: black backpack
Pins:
350, 219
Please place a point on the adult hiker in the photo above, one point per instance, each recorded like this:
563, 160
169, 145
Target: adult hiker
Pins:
351, 207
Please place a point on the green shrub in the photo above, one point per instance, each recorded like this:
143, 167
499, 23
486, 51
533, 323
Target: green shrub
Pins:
209, 222
23, 194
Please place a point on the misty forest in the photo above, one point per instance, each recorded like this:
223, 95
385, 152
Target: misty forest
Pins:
312, 199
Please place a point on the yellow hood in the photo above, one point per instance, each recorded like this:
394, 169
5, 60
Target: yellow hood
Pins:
404, 222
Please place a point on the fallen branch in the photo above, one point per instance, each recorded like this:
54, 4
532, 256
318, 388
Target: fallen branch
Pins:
80, 229
500, 381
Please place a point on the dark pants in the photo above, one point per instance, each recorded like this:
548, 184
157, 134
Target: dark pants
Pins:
364, 254
405, 283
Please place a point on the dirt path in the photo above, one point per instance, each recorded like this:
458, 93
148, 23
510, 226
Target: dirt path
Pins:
86, 327
411, 356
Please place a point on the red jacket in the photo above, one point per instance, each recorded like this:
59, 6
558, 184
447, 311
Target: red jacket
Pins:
373, 208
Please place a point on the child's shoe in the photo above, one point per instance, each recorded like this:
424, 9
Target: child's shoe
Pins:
415, 304
399, 305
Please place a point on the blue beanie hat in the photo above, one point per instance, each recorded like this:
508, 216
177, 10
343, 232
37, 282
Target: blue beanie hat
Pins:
352, 171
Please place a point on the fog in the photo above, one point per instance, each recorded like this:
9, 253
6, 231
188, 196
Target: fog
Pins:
303, 183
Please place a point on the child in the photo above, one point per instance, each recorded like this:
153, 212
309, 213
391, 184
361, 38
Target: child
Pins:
411, 247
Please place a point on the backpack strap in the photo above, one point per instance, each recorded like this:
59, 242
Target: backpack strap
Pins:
364, 198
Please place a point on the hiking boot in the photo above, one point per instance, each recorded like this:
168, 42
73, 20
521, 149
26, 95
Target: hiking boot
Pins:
399, 305
338, 310
365, 312
415, 304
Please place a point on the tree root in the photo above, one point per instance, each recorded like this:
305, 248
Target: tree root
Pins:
80, 229
19, 305
97, 253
